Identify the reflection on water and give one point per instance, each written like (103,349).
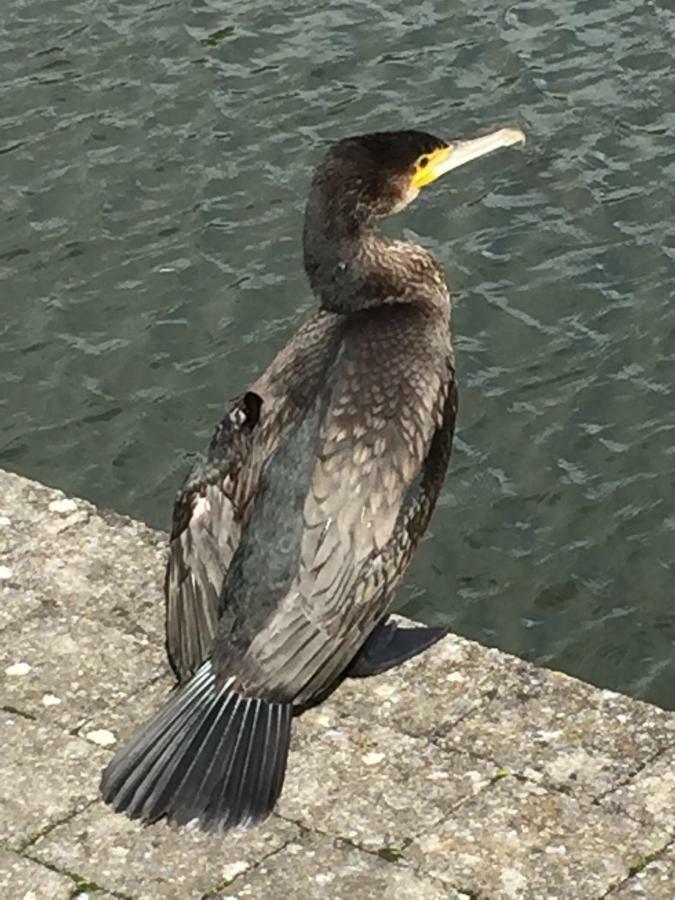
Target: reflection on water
(153,166)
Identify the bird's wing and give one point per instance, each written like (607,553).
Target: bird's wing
(207,517)
(214,501)
(387,645)
(341,488)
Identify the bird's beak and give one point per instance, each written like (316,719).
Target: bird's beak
(456,154)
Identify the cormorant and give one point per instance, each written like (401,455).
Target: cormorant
(288,542)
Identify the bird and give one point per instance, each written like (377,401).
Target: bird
(289,540)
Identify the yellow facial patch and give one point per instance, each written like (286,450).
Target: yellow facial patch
(429,167)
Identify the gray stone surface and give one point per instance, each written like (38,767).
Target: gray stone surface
(63,685)
(397,785)
(333,869)
(66,555)
(46,776)
(654,881)
(23,879)
(520,839)
(157,861)
(512,716)
(466,773)
(650,795)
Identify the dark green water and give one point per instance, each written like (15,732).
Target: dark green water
(153,165)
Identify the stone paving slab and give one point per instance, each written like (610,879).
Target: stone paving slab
(654,881)
(65,654)
(157,861)
(97,564)
(398,785)
(522,840)
(23,879)
(46,776)
(465,774)
(650,795)
(513,716)
(334,869)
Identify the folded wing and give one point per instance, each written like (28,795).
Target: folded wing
(207,517)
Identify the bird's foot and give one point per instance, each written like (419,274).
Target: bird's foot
(389,645)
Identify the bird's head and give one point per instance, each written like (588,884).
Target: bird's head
(374,175)
(360,180)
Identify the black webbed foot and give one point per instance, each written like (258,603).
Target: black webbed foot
(389,645)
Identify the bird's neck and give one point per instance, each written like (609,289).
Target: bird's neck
(359,269)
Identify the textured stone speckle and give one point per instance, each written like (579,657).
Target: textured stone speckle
(23,879)
(18,668)
(317,868)
(46,776)
(101,736)
(520,840)
(156,861)
(66,652)
(650,795)
(51,700)
(64,505)
(397,784)
(654,881)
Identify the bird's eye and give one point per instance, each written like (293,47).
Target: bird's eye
(423,160)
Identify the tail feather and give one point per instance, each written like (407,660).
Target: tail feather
(129,777)
(225,727)
(241,770)
(210,754)
(278,769)
(164,784)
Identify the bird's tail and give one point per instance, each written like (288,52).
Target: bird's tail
(209,754)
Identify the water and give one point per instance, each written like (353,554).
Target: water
(153,167)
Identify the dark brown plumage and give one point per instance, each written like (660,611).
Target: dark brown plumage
(288,543)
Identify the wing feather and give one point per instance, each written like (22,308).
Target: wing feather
(206,528)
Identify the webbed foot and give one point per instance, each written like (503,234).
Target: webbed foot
(389,645)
